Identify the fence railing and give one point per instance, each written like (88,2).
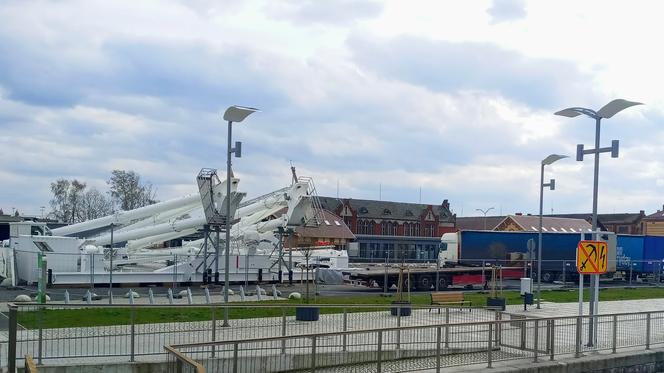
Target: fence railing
(418,347)
(53,332)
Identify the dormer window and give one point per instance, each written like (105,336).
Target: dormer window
(408,213)
(387,212)
(363,210)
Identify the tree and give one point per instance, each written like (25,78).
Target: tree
(67,200)
(95,205)
(128,191)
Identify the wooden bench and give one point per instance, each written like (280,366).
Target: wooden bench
(443,298)
(30,366)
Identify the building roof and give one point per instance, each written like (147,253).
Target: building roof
(659,215)
(620,218)
(332,226)
(476,223)
(373,209)
(530,223)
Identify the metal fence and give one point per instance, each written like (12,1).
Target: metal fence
(132,334)
(417,347)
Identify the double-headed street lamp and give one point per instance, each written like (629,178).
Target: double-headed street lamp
(608,111)
(233,114)
(484,212)
(552,186)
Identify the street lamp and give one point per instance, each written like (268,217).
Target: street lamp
(484,212)
(233,114)
(552,186)
(608,111)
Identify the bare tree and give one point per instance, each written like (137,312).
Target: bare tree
(95,204)
(128,191)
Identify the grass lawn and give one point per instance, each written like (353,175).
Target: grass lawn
(63,318)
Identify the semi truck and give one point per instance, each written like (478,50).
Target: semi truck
(466,258)
(478,248)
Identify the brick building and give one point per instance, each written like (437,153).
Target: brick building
(390,230)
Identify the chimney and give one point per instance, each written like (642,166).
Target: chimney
(642,212)
(518,214)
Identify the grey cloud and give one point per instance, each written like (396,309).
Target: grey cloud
(450,67)
(507,10)
(340,13)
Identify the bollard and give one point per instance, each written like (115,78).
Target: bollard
(207,296)
(88,297)
(131,297)
(274,292)
(258,293)
(66,297)
(170,296)
(150,296)
(242,293)
(189,298)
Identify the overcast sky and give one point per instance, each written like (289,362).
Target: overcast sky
(453,97)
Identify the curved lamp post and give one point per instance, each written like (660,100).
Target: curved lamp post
(607,111)
(233,114)
(552,186)
(484,212)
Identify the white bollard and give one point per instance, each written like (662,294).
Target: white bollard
(189,298)
(88,297)
(207,296)
(131,297)
(274,292)
(151,296)
(258,293)
(241,293)
(170,296)
(66,297)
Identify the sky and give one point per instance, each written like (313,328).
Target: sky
(400,100)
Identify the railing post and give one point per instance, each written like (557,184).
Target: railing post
(553,340)
(313,353)
(614,344)
(498,317)
(40,337)
(438,338)
(132,317)
(345,326)
(489,350)
(235,348)
(283,330)
(214,330)
(536,340)
(447,328)
(11,349)
(380,352)
(398,329)
(579,329)
(548,337)
(648,331)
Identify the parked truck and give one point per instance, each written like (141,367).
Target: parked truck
(477,248)
(639,256)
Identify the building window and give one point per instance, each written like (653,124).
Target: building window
(623,229)
(388,228)
(429,230)
(365,227)
(416,230)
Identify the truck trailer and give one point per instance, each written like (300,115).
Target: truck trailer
(509,249)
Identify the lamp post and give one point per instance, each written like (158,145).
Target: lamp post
(233,114)
(607,111)
(552,186)
(484,212)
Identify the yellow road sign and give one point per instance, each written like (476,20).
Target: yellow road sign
(592,257)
